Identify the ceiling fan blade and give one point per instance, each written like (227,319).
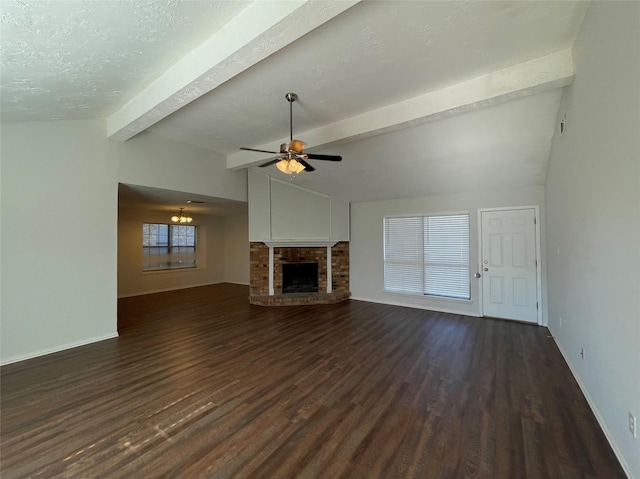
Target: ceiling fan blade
(306,165)
(270,162)
(313,156)
(260,151)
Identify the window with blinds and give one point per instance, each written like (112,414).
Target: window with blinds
(168,246)
(427,255)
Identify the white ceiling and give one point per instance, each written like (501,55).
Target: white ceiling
(419,97)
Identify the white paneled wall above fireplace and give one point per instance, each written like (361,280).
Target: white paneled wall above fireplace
(284,212)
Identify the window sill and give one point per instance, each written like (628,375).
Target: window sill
(171,270)
(430,297)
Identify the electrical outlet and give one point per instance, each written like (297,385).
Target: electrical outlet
(560,321)
(632,425)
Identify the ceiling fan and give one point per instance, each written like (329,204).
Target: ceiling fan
(291,158)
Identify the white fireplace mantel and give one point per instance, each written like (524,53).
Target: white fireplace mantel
(295,243)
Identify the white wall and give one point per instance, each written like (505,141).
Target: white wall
(593,219)
(236,249)
(259,194)
(152,160)
(210,254)
(298,213)
(366,248)
(59,222)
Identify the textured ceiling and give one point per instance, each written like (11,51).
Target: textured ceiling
(428,79)
(499,147)
(374,54)
(85,59)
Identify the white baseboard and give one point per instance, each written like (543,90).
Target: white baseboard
(56,349)
(417,306)
(596,412)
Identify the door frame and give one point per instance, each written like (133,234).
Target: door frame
(536,208)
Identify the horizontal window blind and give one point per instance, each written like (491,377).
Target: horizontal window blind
(403,244)
(168,246)
(427,255)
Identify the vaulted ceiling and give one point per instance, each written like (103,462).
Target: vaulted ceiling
(419,97)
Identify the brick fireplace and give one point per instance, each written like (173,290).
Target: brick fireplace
(266,272)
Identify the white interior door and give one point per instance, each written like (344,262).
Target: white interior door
(509,264)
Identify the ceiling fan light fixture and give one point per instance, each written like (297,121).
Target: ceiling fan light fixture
(290,167)
(291,159)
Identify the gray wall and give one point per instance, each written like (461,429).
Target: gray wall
(366,252)
(152,160)
(236,249)
(59,227)
(593,222)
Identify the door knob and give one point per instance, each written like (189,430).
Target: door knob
(477,275)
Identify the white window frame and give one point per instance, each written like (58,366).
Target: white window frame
(416,257)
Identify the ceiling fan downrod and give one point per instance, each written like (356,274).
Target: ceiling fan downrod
(294,146)
(291,97)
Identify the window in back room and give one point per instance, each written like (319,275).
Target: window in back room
(166,246)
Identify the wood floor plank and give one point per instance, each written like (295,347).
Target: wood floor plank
(201,384)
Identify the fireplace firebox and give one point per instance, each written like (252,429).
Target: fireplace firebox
(299,278)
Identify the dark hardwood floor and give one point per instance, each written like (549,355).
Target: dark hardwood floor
(200,384)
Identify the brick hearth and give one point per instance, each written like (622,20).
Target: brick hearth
(259,274)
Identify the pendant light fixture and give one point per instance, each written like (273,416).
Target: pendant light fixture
(181,217)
